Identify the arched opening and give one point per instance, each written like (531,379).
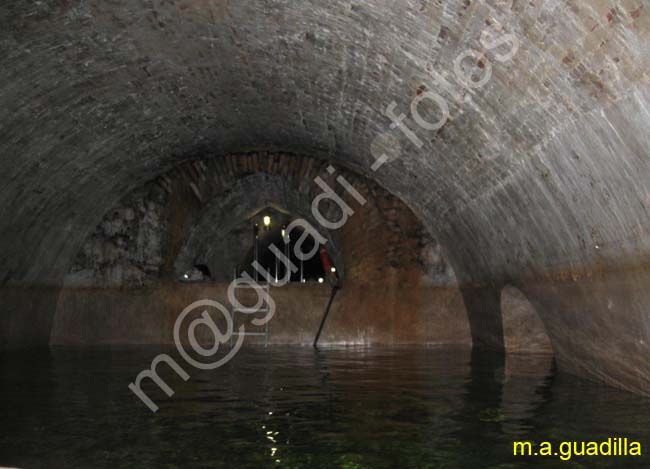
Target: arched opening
(299,270)
(398,286)
(230,234)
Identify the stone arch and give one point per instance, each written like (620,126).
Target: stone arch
(399,287)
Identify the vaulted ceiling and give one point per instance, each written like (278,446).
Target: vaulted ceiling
(542,169)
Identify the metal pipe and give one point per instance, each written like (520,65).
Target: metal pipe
(335,290)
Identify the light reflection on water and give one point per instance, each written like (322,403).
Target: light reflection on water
(296,407)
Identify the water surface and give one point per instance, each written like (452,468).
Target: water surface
(300,408)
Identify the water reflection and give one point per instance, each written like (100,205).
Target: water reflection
(296,407)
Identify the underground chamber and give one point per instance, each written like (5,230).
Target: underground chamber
(389,234)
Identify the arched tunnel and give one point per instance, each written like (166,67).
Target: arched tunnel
(470,178)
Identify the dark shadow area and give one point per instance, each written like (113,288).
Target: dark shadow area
(310,270)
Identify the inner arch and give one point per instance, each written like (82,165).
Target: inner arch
(397,284)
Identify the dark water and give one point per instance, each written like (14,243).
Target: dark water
(297,408)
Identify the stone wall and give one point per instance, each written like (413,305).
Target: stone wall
(126,248)
(398,287)
(109,316)
(26,316)
(601,315)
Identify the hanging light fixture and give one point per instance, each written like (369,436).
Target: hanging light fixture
(267,221)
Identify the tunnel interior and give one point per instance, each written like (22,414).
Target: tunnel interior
(408,214)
